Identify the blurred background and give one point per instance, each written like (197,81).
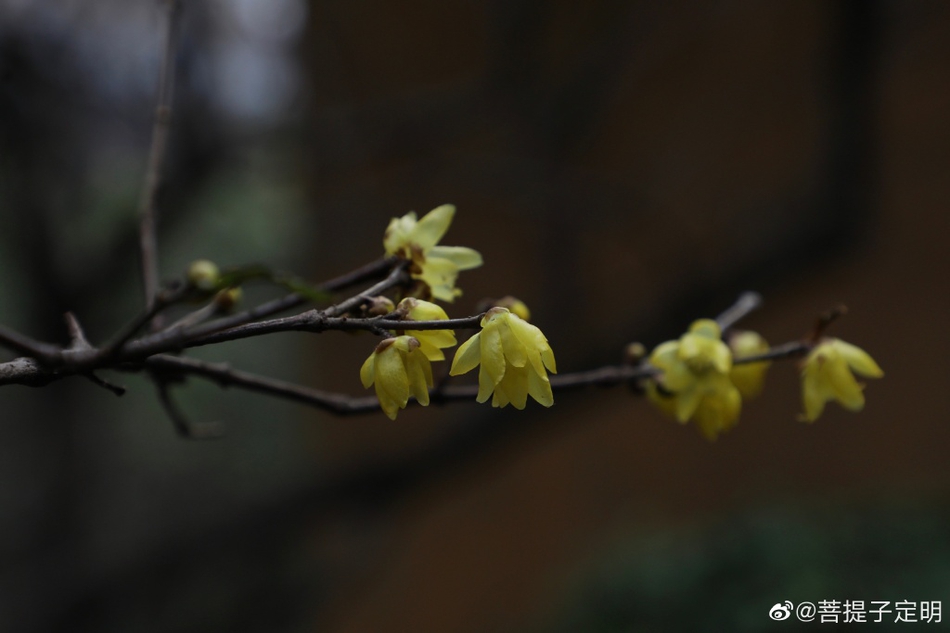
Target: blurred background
(624,167)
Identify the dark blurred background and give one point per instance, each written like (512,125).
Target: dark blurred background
(624,168)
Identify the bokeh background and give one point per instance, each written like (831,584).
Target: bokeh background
(624,167)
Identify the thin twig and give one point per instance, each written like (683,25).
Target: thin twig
(746,303)
(342,404)
(46,353)
(156,157)
(105,384)
(793,349)
(186,428)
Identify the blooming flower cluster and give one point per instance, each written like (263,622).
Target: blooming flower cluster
(700,377)
(514,355)
(695,383)
(701,382)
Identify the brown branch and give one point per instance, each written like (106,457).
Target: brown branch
(792,349)
(156,157)
(746,303)
(342,404)
(370,271)
(45,352)
(186,428)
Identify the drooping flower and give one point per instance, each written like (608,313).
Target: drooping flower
(695,383)
(431,341)
(828,374)
(513,355)
(748,377)
(399,368)
(436,266)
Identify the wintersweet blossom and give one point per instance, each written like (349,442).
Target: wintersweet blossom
(695,383)
(436,266)
(431,342)
(748,377)
(513,355)
(399,368)
(828,374)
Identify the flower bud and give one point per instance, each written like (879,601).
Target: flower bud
(515,306)
(204,275)
(227,299)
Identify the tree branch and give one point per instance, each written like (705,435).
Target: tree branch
(156,157)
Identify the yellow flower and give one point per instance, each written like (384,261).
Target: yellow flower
(437,266)
(748,377)
(399,368)
(513,355)
(827,375)
(431,342)
(695,383)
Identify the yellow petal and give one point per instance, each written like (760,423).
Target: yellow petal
(389,404)
(686,403)
(416,363)
(859,360)
(515,385)
(706,328)
(467,356)
(461,257)
(493,356)
(513,348)
(396,238)
(367,373)
(433,225)
(538,349)
(391,375)
(539,387)
(419,310)
(485,385)
(813,398)
(846,389)
(431,351)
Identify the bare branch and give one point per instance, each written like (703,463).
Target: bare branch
(45,352)
(186,428)
(105,384)
(746,303)
(342,404)
(793,349)
(156,157)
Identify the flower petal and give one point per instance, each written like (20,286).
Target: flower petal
(462,257)
(493,356)
(467,356)
(539,387)
(397,233)
(846,389)
(485,385)
(859,360)
(433,225)
(367,371)
(391,376)
(514,349)
(515,385)
(416,364)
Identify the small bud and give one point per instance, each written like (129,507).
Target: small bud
(227,299)
(633,353)
(515,306)
(203,274)
(379,306)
